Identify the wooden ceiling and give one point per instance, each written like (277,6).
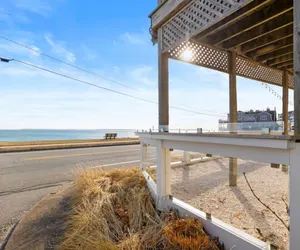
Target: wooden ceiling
(261,30)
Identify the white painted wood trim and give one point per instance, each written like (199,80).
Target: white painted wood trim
(163,169)
(161,14)
(239,140)
(231,237)
(261,150)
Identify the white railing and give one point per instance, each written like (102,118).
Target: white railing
(225,127)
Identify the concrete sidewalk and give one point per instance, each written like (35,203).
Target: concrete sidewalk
(43,226)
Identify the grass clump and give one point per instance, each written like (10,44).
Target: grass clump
(114,210)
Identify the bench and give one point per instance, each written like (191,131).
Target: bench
(110,136)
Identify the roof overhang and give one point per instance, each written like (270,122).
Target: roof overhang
(260,31)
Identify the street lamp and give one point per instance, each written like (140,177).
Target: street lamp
(5,60)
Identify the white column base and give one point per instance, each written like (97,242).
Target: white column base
(143,155)
(186,157)
(163,170)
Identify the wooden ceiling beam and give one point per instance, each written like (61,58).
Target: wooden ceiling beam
(283,64)
(275,54)
(265,40)
(247,23)
(234,17)
(259,31)
(281,59)
(285,42)
(286,65)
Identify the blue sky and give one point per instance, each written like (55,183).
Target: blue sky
(111,39)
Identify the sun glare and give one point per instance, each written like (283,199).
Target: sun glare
(187,55)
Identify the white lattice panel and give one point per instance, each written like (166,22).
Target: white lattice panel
(195,17)
(201,55)
(252,70)
(209,57)
(291,81)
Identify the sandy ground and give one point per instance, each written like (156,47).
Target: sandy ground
(205,186)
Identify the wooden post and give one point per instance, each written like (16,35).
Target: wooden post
(285,102)
(285,109)
(163,86)
(233,114)
(297,68)
(163,170)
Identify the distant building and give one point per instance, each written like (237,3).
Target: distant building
(291,116)
(252,120)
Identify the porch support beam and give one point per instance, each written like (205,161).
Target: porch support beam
(285,102)
(163,86)
(297,69)
(233,114)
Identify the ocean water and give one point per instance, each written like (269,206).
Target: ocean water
(53,134)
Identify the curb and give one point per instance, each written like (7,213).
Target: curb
(18,229)
(8,235)
(67,147)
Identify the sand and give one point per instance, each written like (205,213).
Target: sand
(205,186)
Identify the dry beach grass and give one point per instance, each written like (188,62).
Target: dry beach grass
(114,210)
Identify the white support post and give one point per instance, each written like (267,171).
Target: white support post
(294,197)
(163,170)
(186,157)
(143,155)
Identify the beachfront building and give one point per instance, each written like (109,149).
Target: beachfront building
(256,39)
(252,121)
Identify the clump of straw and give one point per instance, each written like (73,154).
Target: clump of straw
(114,210)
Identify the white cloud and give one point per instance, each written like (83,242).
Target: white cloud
(58,48)
(135,38)
(89,54)
(116,69)
(143,75)
(40,7)
(11,49)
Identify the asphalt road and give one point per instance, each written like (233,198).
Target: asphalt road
(27,177)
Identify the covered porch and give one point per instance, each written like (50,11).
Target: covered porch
(256,39)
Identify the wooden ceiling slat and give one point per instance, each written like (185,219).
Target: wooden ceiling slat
(247,23)
(285,65)
(275,54)
(288,41)
(267,39)
(279,60)
(259,31)
(234,17)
